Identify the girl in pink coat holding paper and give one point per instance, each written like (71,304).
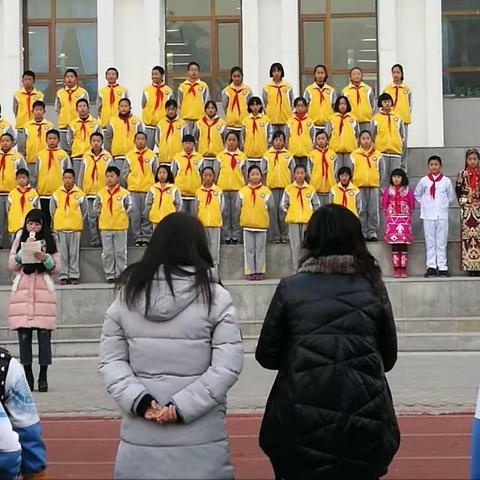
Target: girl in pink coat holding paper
(398,203)
(32,301)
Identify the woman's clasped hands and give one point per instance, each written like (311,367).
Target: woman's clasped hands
(157,413)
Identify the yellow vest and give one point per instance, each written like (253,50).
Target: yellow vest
(25,103)
(170,134)
(210,206)
(94,171)
(360,101)
(366,167)
(109,97)
(278,102)
(401,95)
(154,99)
(4,126)
(254,210)
(163,202)
(123,134)
(8,169)
(36,138)
(256,135)
(68,214)
(194,97)
(113,215)
(387,138)
(279,174)
(237,108)
(21,202)
(50,170)
(188,178)
(67,101)
(300,208)
(320,102)
(343,137)
(230,178)
(299,135)
(210,139)
(141,175)
(323,169)
(347,197)
(81,131)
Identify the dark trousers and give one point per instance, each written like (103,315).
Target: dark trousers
(45,206)
(44,346)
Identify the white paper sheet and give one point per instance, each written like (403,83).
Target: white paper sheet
(28,251)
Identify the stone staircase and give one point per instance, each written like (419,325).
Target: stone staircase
(431,315)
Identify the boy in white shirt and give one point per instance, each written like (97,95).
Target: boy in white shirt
(435,193)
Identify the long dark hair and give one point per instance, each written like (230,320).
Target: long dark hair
(335,230)
(178,241)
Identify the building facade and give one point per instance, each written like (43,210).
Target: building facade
(435,41)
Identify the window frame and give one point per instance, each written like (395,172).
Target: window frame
(214,20)
(51,23)
(326,18)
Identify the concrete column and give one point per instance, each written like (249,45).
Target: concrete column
(387,39)
(154,31)
(251,45)
(105,38)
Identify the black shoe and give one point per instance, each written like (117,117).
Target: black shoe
(42,386)
(29,376)
(110,280)
(444,273)
(234,241)
(228,241)
(372,239)
(139,244)
(431,272)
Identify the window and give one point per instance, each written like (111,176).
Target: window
(207,32)
(461,48)
(340,34)
(61,34)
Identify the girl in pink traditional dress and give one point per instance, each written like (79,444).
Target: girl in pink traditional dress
(398,203)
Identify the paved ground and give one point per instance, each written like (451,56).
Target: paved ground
(420,382)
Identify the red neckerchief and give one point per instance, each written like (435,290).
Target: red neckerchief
(158,95)
(3,163)
(67,198)
(320,90)
(359,99)
(299,119)
(209,191)
(342,121)
(170,126)
(236,98)
(39,128)
(299,194)
(277,154)
(325,166)
(210,125)
(189,164)
(233,160)
(112,93)
(472,174)
(70,92)
(254,192)
(83,127)
(368,156)
(162,191)
(389,115)
(95,159)
(141,160)
(191,88)
(344,191)
(22,198)
(29,102)
(51,157)
(279,94)
(397,88)
(110,197)
(254,125)
(126,120)
(434,181)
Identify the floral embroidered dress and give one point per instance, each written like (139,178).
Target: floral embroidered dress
(398,204)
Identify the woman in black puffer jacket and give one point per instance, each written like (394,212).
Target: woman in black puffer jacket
(331,335)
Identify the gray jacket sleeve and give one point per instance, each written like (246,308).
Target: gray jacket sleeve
(53,205)
(225,100)
(84,206)
(97,205)
(177,200)
(210,389)
(108,137)
(148,203)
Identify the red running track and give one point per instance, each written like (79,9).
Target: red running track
(433,448)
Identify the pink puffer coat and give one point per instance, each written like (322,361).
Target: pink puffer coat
(33,302)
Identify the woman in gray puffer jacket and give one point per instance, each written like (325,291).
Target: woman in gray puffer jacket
(170,351)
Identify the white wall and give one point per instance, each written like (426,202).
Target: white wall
(410,33)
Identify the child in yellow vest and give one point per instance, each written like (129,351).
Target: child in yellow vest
(10,162)
(209,206)
(388,135)
(23,101)
(299,202)
(50,164)
(20,201)
(113,205)
(164,197)
(345,193)
(277,97)
(91,179)
(186,167)
(192,96)
(256,132)
(342,129)
(120,134)
(170,131)
(154,99)
(235,99)
(35,135)
(300,133)
(209,133)
(279,165)
(320,98)
(139,172)
(401,94)
(68,208)
(254,203)
(109,96)
(79,132)
(322,167)
(361,98)
(367,164)
(6,127)
(66,103)
(230,180)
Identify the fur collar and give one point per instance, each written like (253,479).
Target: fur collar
(343,264)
